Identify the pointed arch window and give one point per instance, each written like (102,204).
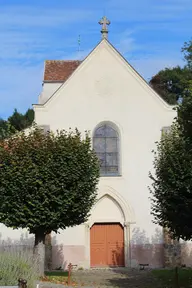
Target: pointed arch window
(106,146)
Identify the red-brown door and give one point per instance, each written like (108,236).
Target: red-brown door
(107,245)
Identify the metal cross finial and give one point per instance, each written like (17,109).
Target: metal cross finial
(104,22)
(79,48)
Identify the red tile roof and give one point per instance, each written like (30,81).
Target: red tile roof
(59,70)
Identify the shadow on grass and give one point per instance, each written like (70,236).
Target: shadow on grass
(167,277)
(134,278)
(56,273)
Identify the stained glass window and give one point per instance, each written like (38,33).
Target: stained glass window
(105,144)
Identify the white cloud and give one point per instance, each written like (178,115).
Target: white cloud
(36,16)
(125,41)
(148,10)
(128,45)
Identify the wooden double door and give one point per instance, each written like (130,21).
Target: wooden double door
(107,245)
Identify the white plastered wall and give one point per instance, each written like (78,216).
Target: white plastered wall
(48,89)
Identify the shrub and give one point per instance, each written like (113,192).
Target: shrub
(17,264)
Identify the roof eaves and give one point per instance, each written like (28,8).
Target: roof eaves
(53,81)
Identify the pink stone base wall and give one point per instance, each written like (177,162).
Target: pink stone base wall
(63,255)
(152,254)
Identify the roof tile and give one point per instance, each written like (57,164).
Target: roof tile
(59,70)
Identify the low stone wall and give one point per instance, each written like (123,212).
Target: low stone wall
(186,254)
(151,254)
(169,254)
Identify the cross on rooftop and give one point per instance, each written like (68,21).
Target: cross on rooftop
(104,22)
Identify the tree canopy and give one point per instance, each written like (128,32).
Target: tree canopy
(172,183)
(21,121)
(6,130)
(187,50)
(172,83)
(16,122)
(47,181)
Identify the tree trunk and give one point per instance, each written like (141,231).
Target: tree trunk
(39,251)
(48,253)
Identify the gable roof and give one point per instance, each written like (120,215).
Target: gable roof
(80,63)
(59,70)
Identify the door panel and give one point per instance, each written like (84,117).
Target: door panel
(107,245)
(115,245)
(98,245)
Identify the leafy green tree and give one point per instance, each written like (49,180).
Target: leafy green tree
(47,182)
(187,50)
(3,129)
(172,183)
(16,122)
(172,83)
(29,117)
(20,121)
(6,130)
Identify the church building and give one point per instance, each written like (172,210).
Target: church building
(105,95)
(125,116)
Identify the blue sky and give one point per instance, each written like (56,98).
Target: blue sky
(149,33)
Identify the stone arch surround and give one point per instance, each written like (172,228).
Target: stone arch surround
(126,217)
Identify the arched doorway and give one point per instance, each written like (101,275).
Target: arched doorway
(107,245)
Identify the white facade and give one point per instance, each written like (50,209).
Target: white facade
(106,89)
(47,91)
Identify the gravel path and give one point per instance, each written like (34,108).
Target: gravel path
(122,278)
(129,278)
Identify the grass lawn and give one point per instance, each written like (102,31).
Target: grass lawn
(56,277)
(167,277)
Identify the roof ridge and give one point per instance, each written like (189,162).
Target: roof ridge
(63,60)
